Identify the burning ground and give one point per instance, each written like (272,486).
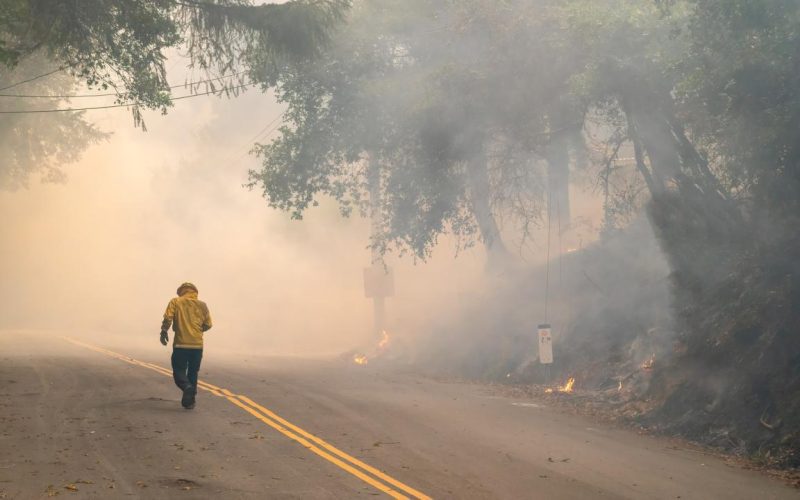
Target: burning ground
(623,351)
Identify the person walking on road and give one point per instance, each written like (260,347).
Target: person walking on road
(189,318)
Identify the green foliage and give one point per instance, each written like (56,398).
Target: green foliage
(704,95)
(707,91)
(121,44)
(413,93)
(12,13)
(40,145)
(740,94)
(109,44)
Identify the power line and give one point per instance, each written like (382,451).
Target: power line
(125,105)
(109,94)
(547,264)
(34,78)
(263,133)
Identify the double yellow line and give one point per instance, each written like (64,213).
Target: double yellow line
(354,466)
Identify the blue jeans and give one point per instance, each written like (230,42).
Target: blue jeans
(185,365)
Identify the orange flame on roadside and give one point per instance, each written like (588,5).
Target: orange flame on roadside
(566,388)
(384,340)
(360,359)
(648,364)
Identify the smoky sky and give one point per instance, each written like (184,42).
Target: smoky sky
(145,211)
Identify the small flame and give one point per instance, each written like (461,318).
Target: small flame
(384,340)
(566,388)
(360,359)
(648,364)
(619,387)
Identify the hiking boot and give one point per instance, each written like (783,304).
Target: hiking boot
(187,401)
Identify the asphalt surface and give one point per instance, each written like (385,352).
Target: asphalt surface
(85,423)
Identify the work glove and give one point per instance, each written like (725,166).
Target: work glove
(164,337)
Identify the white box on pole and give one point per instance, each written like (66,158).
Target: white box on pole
(545,344)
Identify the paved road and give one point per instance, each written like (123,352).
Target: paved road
(84,423)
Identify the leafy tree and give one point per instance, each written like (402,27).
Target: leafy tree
(435,97)
(740,94)
(454,104)
(449,104)
(40,143)
(121,44)
(707,93)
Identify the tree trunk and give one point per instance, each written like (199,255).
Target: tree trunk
(700,229)
(480,201)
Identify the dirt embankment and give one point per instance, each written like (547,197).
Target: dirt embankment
(718,365)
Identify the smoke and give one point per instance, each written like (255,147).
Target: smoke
(144,211)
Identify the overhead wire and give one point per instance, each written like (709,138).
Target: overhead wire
(560,270)
(261,134)
(107,94)
(33,78)
(265,131)
(124,105)
(547,263)
(268,125)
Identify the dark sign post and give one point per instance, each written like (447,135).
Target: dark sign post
(378,277)
(378,285)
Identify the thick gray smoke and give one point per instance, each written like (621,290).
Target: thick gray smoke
(145,211)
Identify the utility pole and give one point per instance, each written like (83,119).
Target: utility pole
(378,278)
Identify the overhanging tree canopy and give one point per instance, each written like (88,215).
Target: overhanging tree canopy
(121,45)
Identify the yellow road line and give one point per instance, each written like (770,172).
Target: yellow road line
(286,428)
(367,479)
(335,450)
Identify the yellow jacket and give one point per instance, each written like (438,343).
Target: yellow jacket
(189,318)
